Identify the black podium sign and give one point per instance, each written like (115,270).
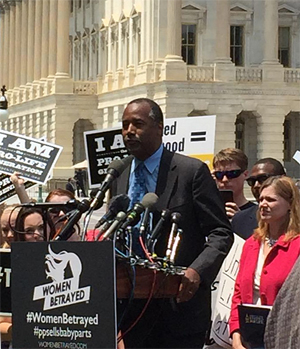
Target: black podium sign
(5,282)
(63,295)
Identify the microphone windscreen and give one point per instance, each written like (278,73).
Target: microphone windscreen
(119,203)
(149,201)
(116,167)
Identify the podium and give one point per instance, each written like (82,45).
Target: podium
(166,284)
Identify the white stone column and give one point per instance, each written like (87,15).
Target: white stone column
(225,123)
(271,32)
(30,44)
(2,20)
(174,68)
(223,31)
(5,80)
(272,70)
(24,40)
(224,68)
(63,39)
(18,31)
(63,83)
(174,29)
(52,37)
(121,52)
(129,75)
(270,136)
(45,38)
(11,61)
(108,81)
(38,39)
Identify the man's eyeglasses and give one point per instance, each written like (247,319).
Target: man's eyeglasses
(260,179)
(229,174)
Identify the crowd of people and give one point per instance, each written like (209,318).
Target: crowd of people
(270,224)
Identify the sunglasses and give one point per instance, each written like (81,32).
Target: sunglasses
(56,210)
(229,174)
(260,179)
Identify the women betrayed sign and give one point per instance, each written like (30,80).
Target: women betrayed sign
(32,158)
(61,297)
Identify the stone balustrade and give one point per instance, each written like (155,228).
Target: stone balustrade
(291,75)
(85,87)
(244,74)
(200,73)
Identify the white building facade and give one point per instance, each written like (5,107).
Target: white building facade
(72,66)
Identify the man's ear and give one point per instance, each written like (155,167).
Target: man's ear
(161,128)
(246,173)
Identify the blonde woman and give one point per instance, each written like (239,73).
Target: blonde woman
(269,255)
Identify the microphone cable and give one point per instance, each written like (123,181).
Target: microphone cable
(144,309)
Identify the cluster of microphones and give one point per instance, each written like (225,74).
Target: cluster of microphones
(119,221)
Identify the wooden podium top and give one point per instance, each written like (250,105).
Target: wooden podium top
(166,285)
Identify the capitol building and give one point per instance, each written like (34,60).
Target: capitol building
(72,66)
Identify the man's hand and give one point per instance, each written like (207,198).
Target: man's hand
(231,209)
(189,285)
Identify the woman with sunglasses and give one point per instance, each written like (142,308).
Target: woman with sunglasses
(269,255)
(58,215)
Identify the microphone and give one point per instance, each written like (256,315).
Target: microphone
(117,203)
(149,202)
(175,245)
(114,170)
(165,216)
(73,203)
(175,217)
(115,225)
(67,229)
(134,215)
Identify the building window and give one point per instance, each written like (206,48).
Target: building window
(284,46)
(237,45)
(240,133)
(188,43)
(71,5)
(287,140)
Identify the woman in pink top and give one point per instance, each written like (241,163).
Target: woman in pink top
(269,255)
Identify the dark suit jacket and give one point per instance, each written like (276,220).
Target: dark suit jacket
(185,185)
(244,222)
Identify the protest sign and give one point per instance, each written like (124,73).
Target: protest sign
(68,299)
(5,281)
(228,273)
(102,147)
(32,158)
(7,189)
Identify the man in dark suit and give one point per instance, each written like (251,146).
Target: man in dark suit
(183,185)
(244,222)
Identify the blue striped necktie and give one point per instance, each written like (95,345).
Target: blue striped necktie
(139,188)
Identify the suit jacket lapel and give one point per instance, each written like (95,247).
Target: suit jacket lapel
(167,177)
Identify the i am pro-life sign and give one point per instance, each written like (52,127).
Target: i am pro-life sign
(34,159)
